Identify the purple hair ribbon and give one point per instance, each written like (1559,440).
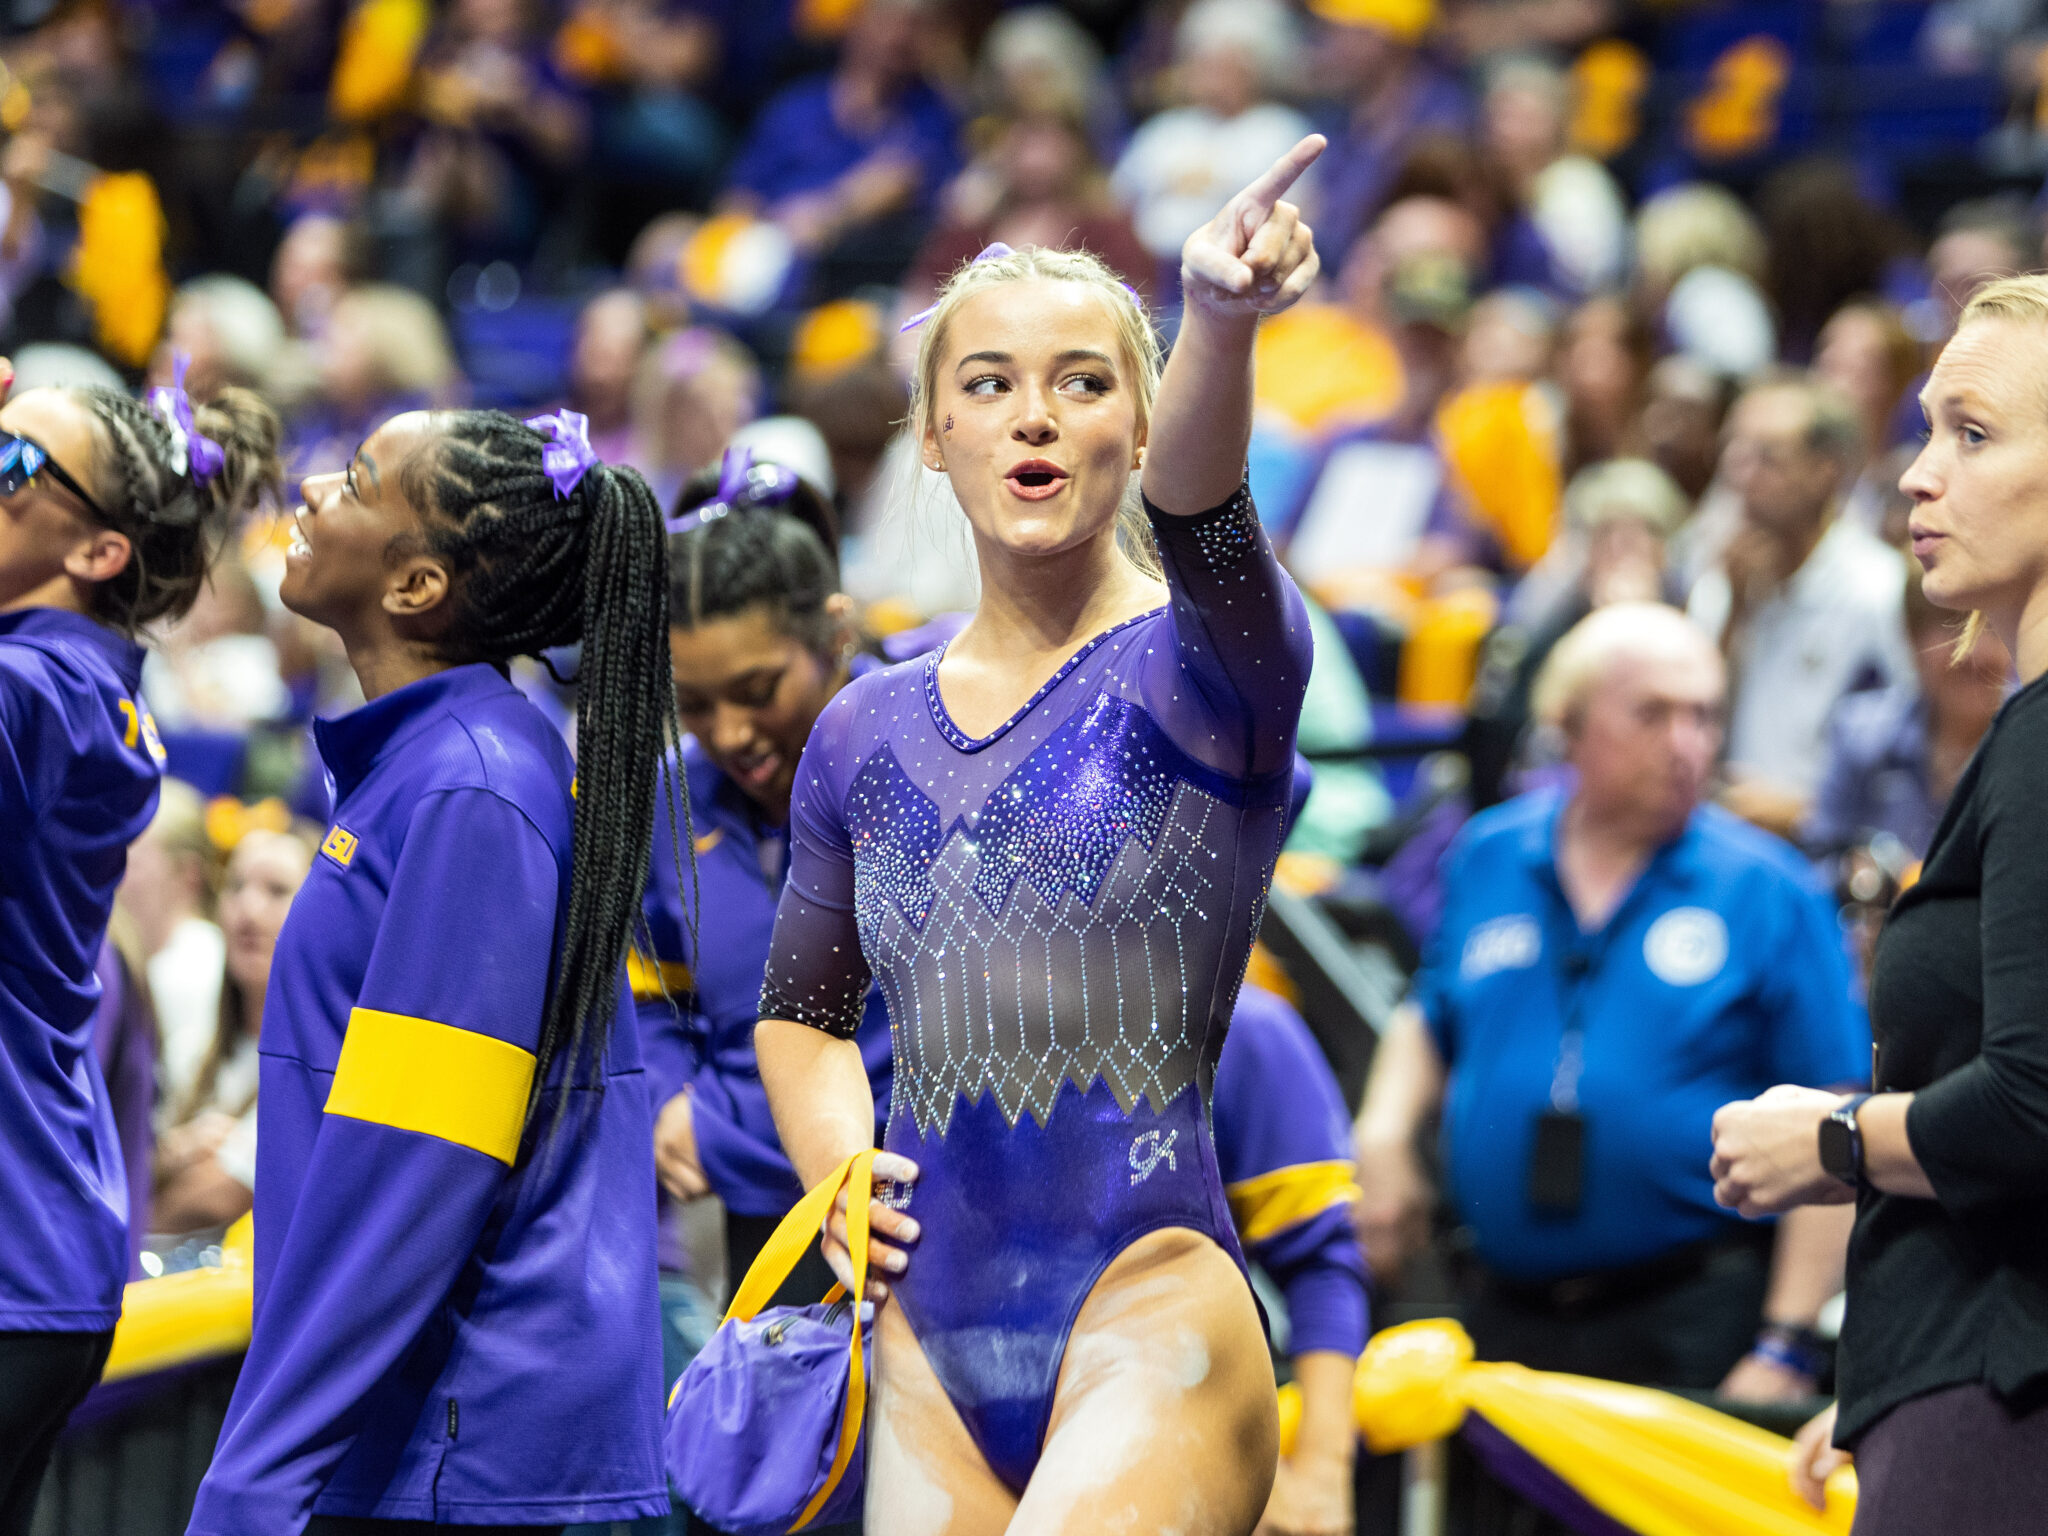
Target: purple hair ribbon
(199,456)
(569,457)
(994,253)
(741,484)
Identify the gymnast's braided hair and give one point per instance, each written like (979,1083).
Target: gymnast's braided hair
(531,571)
(174,520)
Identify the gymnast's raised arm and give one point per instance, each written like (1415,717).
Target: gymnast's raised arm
(1230,689)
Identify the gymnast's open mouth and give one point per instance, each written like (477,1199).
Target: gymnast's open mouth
(1035,479)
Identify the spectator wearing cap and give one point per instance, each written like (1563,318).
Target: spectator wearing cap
(1613,957)
(1387,350)
(1388,94)
(1806,606)
(1229,58)
(1378,494)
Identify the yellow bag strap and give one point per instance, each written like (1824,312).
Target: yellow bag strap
(860,1185)
(781,1254)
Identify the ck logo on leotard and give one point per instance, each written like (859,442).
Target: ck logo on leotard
(340,845)
(1149,1150)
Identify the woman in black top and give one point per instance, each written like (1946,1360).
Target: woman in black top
(1944,1362)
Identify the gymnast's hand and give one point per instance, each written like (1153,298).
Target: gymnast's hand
(890,1232)
(1256,257)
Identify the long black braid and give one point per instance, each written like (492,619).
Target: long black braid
(534,571)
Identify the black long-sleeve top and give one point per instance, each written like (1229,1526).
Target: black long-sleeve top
(1955,1289)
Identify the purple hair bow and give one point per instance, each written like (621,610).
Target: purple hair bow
(994,252)
(741,483)
(569,457)
(201,457)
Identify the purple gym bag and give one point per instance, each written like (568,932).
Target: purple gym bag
(765,1425)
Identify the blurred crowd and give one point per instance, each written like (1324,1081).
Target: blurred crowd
(1620,303)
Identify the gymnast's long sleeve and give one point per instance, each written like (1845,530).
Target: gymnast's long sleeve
(1242,646)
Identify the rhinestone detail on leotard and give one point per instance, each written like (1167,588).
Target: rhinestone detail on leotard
(1045,941)
(1223,535)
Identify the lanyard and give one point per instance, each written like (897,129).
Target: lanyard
(1577,969)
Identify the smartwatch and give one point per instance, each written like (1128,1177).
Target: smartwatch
(1841,1141)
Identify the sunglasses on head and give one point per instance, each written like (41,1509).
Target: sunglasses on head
(23,458)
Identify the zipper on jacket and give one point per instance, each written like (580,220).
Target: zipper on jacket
(452,1419)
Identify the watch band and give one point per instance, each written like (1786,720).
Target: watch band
(1841,1141)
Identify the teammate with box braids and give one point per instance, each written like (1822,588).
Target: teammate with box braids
(456,1316)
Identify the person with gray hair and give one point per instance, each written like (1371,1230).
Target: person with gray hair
(1807,606)
(1611,953)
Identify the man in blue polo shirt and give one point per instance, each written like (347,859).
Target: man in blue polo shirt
(1616,958)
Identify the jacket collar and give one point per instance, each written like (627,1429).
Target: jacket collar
(52,624)
(354,743)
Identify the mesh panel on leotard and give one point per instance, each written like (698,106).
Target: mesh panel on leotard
(1070,898)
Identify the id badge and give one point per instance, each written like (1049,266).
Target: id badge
(1557,1170)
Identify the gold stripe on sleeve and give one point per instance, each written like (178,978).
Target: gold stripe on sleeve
(648,977)
(416,1075)
(1286,1197)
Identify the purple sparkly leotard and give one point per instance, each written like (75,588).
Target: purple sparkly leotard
(1059,915)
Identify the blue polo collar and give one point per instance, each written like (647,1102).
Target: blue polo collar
(1675,861)
(354,743)
(123,654)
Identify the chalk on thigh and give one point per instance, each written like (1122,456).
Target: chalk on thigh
(1164,1422)
(925,1474)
